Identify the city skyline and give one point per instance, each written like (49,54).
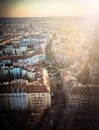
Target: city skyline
(49,65)
(48,8)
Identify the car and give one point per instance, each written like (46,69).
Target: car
(59,91)
(33,114)
(51,123)
(52,94)
(61,104)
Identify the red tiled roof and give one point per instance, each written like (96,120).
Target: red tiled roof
(15,45)
(29,67)
(16,57)
(30,88)
(37,89)
(4,40)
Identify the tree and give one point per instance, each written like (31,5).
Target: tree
(53,85)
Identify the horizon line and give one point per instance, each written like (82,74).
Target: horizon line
(41,16)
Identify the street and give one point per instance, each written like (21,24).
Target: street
(58,117)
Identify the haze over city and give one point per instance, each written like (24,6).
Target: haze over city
(48,8)
(49,64)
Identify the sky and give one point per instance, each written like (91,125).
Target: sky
(48,8)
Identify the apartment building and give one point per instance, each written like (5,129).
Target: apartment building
(23,95)
(84,98)
(80,97)
(94,73)
(31,57)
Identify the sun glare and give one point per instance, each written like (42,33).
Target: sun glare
(52,8)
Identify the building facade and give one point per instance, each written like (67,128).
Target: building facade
(24,95)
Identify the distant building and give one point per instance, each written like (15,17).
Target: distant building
(10,71)
(5,40)
(70,73)
(94,73)
(30,57)
(80,97)
(84,98)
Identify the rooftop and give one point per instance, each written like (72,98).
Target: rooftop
(23,87)
(16,57)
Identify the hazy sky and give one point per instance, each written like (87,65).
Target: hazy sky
(47,8)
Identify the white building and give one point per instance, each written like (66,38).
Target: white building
(24,95)
(31,58)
